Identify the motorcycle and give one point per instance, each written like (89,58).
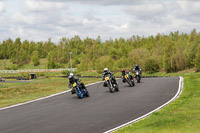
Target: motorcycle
(129,80)
(137,76)
(80,92)
(112,85)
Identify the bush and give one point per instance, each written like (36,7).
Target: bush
(66,72)
(138,56)
(197,60)
(151,66)
(12,67)
(35,58)
(41,74)
(25,75)
(103,62)
(59,65)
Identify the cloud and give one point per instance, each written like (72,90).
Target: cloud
(189,9)
(41,19)
(147,11)
(38,5)
(21,19)
(120,28)
(2,7)
(102,2)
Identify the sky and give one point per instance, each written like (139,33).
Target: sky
(39,20)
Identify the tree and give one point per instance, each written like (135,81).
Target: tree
(15,50)
(35,58)
(138,56)
(151,66)
(197,59)
(104,61)
(51,63)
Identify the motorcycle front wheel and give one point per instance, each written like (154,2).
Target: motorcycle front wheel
(80,95)
(110,86)
(133,84)
(116,87)
(129,82)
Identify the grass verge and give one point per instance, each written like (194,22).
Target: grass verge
(181,116)
(13,93)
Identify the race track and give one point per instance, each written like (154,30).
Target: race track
(100,112)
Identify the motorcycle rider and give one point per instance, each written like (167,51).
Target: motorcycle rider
(137,67)
(124,72)
(73,80)
(109,74)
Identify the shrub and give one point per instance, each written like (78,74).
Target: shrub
(151,66)
(11,67)
(197,59)
(41,74)
(66,72)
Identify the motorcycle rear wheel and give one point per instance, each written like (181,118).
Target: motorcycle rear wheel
(87,94)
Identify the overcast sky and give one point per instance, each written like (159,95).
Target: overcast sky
(39,20)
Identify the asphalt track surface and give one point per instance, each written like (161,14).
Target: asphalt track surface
(100,112)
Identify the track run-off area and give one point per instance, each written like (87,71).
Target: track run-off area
(101,112)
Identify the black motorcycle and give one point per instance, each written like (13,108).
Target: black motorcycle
(137,76)
(112,84)
(129,80)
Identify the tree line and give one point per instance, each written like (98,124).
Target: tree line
(170,53)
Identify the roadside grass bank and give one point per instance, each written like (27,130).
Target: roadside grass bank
(180,116)
(14,93)
(6,64)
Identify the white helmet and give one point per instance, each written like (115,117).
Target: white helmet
(105,69)
(71,74)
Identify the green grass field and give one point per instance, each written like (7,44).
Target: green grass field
(13,93)
(180,116)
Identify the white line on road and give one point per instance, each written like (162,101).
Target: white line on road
(146,115)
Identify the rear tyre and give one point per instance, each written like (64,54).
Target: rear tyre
(87,94)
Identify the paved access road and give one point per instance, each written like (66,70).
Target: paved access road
(100,112)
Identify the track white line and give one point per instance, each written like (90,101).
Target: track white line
(146,115)
(16,105)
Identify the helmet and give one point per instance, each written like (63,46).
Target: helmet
(71,75)
(137,65)
(123,70)
(105,69)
